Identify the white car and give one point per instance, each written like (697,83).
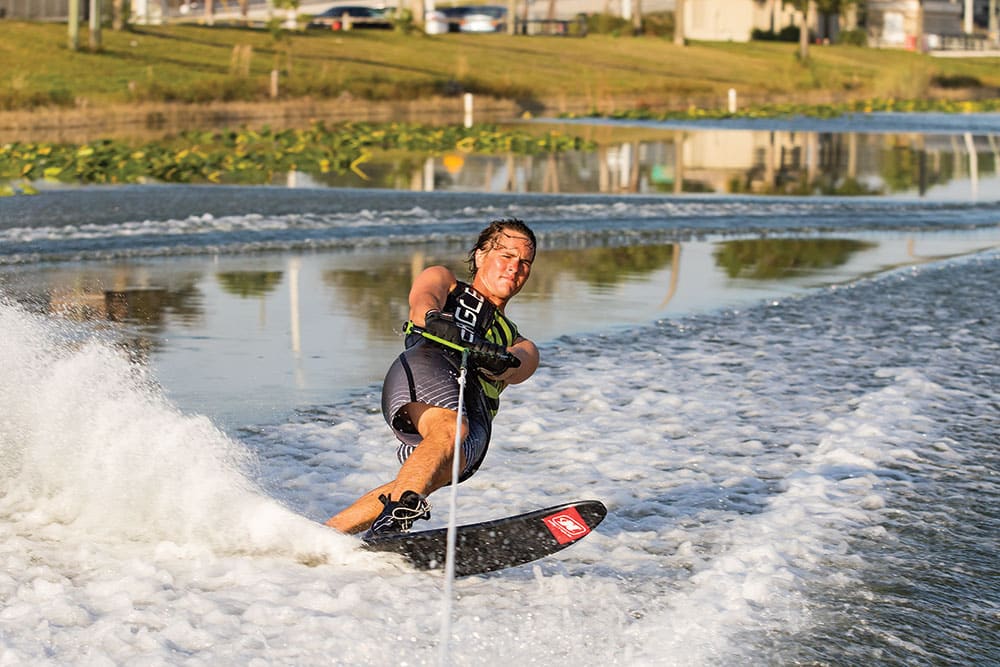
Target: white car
(484,18)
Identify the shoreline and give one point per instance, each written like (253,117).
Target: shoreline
(151,120)
(155,120)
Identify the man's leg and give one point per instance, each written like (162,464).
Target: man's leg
(360,515)
(426,470)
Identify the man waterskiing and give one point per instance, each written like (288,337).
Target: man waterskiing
(421,389)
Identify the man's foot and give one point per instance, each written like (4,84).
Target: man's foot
(398,515)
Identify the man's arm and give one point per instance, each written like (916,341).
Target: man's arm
(527,352)
(430,291)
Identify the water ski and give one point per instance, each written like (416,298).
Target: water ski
(494,545)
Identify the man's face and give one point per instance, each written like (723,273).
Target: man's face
(504,267)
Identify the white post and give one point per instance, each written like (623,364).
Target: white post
(732,100)
(468,109)
(429,175)
(967,23)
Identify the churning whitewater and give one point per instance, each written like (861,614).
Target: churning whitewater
(810,478)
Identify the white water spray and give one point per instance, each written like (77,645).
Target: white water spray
(91,450)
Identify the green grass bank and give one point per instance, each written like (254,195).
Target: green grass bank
(180,71)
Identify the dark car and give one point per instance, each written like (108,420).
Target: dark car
(348,17)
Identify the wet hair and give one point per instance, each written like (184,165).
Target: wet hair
(489,238)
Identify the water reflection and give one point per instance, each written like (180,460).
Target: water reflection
(247,284)
(121,294)
(376,294)
(605,268)
(774,259)
(147,303)
(721,161)
(372,290)
(240,338)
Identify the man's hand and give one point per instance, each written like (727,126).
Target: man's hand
(443,326)
(487,356)
(492,358)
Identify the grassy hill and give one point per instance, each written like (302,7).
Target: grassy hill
(182,65)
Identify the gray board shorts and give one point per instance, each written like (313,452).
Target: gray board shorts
(427,373)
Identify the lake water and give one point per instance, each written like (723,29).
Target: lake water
(789,402)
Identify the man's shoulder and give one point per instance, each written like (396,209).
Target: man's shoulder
(438,275)
(438,270)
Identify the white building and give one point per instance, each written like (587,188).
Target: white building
(735,20)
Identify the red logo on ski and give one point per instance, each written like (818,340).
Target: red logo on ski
(566,526)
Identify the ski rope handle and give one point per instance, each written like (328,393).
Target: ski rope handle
(410,327)
(449,569)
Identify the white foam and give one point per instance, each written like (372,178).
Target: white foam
(91,448)
(736,484)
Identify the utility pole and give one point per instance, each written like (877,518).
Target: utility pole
(804,31)
(117,15)
(992,24)
(679,38)
(73,25)
(95,24)
(920,28)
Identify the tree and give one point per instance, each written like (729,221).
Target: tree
(802,6)
(418,10)
(73,25)
(119,14)
(280,35)
(805,9)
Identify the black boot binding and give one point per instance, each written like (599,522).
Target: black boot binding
(398,515)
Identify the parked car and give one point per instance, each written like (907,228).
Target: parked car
(444,19)
(357,16)
(484,18)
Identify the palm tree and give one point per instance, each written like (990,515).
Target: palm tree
(118,14)
(803,7)
(806,9)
